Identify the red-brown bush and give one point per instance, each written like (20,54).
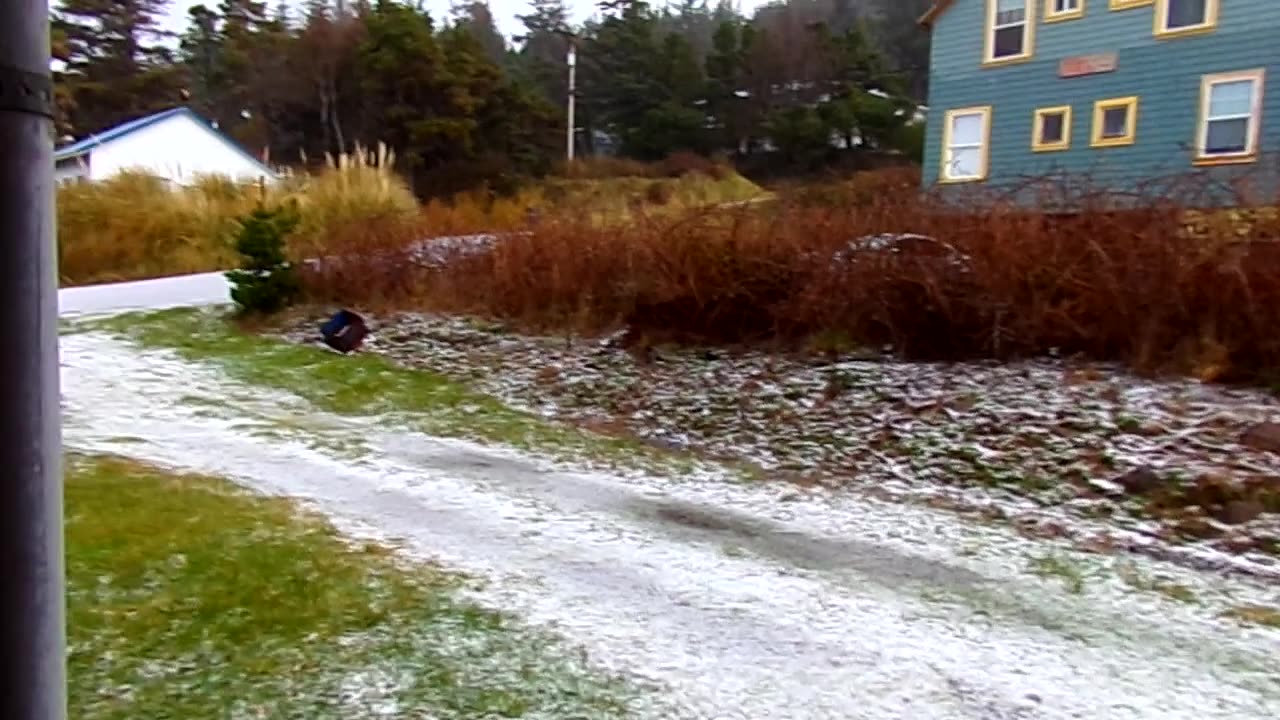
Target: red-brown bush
(1124,285)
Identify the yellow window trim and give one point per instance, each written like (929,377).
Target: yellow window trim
(985,112)
(1037,129)
(1159,25)
(1131,122)
(1050,16)
(1028,37)
(1250,154)
(1129,4)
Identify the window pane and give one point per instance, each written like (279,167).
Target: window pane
(966,130)
(1231,98)
(1008,41)
(1115,122)
(1051,128)
(1186,13)
(1227,136)
(965,162)
(1065,5)
(1010,11)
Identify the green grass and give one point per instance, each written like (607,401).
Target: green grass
(1135,578)
(1058,566)
(369,385)
(191,598)
(1256,615)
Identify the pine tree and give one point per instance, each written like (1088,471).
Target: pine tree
(116,68)
(201,49)
(544,48)
(233,57)
(476,17)
(266,282)
(620,70)
(547,16)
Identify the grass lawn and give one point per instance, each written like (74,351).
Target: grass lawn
(192,598)
(369,385)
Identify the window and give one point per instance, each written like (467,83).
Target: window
(1010,31)
(1115,122)
(1230,117)
(966,138)
(1057,10)
(1051,129)
(1176,18)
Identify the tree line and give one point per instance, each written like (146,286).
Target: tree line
(462,105)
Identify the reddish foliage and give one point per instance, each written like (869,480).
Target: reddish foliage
(1126,285)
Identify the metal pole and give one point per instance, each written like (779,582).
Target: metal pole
(32,591)
(573,89)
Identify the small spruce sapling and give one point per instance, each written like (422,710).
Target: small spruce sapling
(266,282)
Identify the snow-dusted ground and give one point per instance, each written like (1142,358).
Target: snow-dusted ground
(730,600)
(1041,443)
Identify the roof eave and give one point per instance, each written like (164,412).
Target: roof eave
(934,12)
(59,156)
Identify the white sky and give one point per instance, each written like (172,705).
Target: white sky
(504,11)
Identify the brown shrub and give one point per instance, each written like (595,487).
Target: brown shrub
(857,190)
(602,167)
(367,264)
(659,192)
(680,164)
(1128,285)
(675,165)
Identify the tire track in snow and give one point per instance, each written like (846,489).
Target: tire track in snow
(772,610)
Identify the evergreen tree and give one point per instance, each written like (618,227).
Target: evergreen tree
(620,68)
(904,43)
(116,68)
(460,108)
(266,282)
(201,49)
(727,83)
(476,17)
(545,47)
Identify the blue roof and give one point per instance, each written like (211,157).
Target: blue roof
(85,145)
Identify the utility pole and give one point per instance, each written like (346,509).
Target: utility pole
(32,585)
(573,89)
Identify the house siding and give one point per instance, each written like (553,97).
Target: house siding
(72,169)
(179,148)
(1164,74)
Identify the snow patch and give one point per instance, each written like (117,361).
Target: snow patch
(733,602)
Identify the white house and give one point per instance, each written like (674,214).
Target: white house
(176,144)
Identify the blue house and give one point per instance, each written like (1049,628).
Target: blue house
(1128,93)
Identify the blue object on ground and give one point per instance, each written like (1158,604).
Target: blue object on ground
(344,332)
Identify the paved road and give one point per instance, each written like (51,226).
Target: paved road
(180,291)
(730,601)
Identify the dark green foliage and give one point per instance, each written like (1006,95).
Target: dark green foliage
(266,282)
(910,140)
(117,67)
(800,135)
(463,108)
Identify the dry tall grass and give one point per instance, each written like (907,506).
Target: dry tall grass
(597,198)
(136,225)
(358,187)
(1127,285)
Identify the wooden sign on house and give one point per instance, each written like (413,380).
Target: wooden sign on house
(1087,65)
